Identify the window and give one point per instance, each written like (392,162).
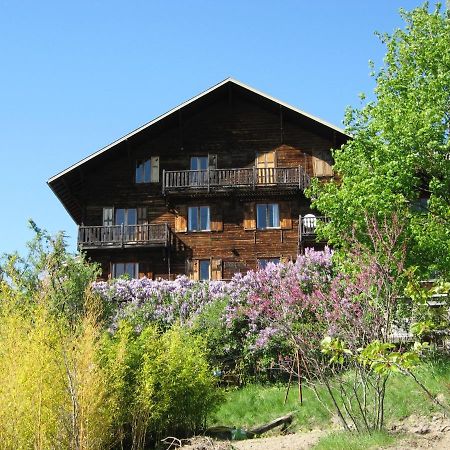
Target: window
(262,263)
(267,216)
(204,269)
(147,170)
(198,218)
(125,216)
(129,269)
(199,162)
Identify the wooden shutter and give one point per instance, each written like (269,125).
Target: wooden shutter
(108,214)
(181,219)
(195,270)
(154,164)
(249,216)
(212,161)
(285,216)
(142,215)
(216,269)
(144,271)
(322,164)
(216,218)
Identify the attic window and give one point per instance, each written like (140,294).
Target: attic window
(147,170)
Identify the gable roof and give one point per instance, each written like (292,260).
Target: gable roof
(186,103)
(67,183)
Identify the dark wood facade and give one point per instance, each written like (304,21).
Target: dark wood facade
(258,151)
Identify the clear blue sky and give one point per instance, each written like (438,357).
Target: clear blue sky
(75,76)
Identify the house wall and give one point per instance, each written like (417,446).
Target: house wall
(233,128)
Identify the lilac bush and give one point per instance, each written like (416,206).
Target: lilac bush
(295,302)
(161,301)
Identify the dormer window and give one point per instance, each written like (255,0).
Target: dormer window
(147,170)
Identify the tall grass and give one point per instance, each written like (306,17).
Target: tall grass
(352,441)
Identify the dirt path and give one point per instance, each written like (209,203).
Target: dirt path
(296,441)
(418,433)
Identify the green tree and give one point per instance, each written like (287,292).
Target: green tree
(398,161)
(49,270)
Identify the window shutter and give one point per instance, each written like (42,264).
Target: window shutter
(212,161)
(142,215)
(322,164)
(249,216)
(181,220)
(285,216)
(216,269)
(154,177)
(144,271)
(108,214)
(195,270)
(216,218)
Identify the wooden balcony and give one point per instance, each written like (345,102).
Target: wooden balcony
(220,180)
(307,225)
(120,236)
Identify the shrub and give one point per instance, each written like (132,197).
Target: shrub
(163,382)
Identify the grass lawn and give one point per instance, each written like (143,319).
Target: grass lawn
(257,404)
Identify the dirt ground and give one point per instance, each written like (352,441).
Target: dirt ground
(417,433)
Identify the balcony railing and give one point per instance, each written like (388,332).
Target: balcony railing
(307,226)
(225,179)
(117,236)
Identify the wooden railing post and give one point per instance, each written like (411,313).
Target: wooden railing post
(163,180)
(254,177)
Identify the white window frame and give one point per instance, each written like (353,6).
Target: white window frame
(114,269)
(198,216)
(266,207)
(200,262)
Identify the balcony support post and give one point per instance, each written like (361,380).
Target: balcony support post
(163,180)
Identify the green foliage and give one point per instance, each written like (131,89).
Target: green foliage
(429,308)
(53,392)
(400,148)
(256,404)
(163,382)
(49,270)
(360,441)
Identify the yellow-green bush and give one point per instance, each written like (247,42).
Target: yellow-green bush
(163,381)
(53,392)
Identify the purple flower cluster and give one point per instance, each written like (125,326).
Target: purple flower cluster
(279,301)
(161,301)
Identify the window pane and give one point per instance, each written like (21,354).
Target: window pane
(261,216)
(194,163)
(192,218)
(274,216)
(204,269)
(262,263)
(120,216)
(203,162)
(204,218)
(147,171)
(130,269)
(131,216)
(118,270)
(143,171)
(138,172)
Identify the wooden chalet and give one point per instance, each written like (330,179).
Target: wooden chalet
(213,187)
